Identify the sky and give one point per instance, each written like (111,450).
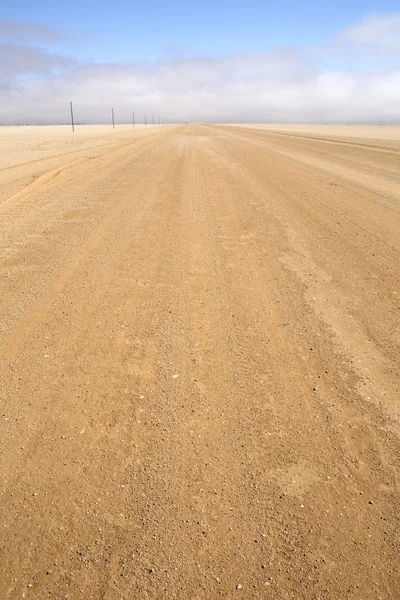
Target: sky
(221,61)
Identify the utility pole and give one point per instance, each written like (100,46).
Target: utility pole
(112,114)
(72,117)
(133,119)
(145,119)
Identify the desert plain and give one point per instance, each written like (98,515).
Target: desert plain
(199,367)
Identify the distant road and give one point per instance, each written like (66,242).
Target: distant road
(199,366)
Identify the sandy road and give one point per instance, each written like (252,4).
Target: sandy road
(198,370)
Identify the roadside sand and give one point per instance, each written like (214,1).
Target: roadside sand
(26,144)
(367,132)
(27,153)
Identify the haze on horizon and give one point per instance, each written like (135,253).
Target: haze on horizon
(230,62)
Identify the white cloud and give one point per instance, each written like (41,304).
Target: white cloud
(25,31)
(280,86)
(376,32)
(21,60)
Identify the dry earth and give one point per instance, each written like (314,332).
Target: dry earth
(198,370)
(363,132)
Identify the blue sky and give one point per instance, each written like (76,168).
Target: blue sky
(226,61)
(132,31)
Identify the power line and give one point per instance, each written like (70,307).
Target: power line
(32,99)
(164,121)
(51,101)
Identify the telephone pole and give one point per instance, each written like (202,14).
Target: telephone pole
(133,119)
(72,117)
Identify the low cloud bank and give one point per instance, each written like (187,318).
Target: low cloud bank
(354,78)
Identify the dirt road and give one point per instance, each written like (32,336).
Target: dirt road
(198,369)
